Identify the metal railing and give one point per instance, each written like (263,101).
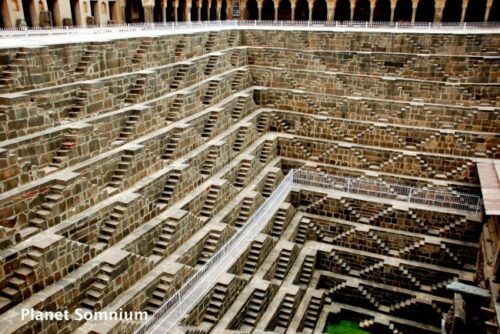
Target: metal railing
(198,285)
(233,24)
(375,188)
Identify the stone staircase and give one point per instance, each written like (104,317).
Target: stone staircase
(282,264)
(128,129)
(242,174)
(301,236)
(13,70)
(313,312)
(137,89)
(210,161)
(212,61)
(172,146)
(45,211)
(214,310)
(238,80)
(169,187)
(266,151)
(210,43)
(142,51)
(235,57)
(110,225)
(179,49)
(95,294)
(240,139)
(210,201)
(279,222)
(121,170)
(299,146)
(175,111)
(282,125)
(263,122)
(179,76)
(244,212)
(79,104)
(254,308)
(209,247)
(167,232)
(252,260)
(231,39)
(369,298)
(62,154)
(87,59)
(403,304)
(160,295)
(269,184)
(285,313)
(307,269)
(409,276)
(210,124)
(239,108)
(18,286)
(210,91)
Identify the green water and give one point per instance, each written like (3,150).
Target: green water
(345,327)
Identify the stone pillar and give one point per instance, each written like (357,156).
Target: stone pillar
(187,13)
(489,3)
(310,13)
(208,11)
(164,13)
(330,8)
(199,11)
(176,8)
(372,9)
(217,12)
(438,13)
(259,6)
(393,9)
(293,12)
(353,5)
(276,6)
(464,9)
(243,12)
(413,13)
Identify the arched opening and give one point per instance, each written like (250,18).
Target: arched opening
(452,11)
(494,12)
(252,11)
(204,10)
(181,11)
(213,10)
(302,11)
(475,11)
(425,11)
(403,11)
(223,10)
(268,10)
(382,11)
(285,10)
(319,10)
(27,10)
(157,16)
(194,11)
(170,11)
(3,14)
(362,10)
(342,11)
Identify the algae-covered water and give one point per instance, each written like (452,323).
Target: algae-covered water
(345,327)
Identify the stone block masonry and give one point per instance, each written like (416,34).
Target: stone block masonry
(125,165)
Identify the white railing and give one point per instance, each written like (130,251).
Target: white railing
(374,188)
(198,285)
(228,24)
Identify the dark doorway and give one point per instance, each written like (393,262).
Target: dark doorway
(425,11)
(382,11)
(223,10)
(252,11)
(170,11)
(362,10)
(194,11)
(403,11)
(27,4)
(302,11)
(157,17)
(204,8)
(133,11)
(319,10)
(342,11)
(268,10)
(475,11)
(213,10)
(452,11)
(181,11)
(285,10)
